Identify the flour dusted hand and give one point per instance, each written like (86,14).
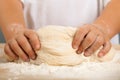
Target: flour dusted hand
(56,48)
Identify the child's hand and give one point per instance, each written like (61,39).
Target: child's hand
(89,38)
(23,45)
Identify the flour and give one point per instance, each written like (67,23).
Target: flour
(85,71)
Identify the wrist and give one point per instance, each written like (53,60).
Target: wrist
(16,28)
(103,30)
(12,30)
(106,28)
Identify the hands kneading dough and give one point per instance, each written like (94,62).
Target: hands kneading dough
(56,48)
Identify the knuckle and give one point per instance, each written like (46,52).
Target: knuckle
(13,43)
(21,40)
(29,32)
(100,41)
(18,37)
(81,29)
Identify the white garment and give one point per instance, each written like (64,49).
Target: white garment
(62,12)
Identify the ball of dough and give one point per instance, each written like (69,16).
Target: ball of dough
(56,47)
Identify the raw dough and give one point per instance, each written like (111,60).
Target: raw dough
(56,48)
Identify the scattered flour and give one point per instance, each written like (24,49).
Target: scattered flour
(84,71)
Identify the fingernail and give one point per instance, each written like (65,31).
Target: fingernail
(79,52)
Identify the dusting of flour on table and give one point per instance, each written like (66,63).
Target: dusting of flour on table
(85,71)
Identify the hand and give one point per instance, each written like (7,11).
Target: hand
(23,45)
(90,38)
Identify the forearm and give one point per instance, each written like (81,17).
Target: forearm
(11,13)
(110,18)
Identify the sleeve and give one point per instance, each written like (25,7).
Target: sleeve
(106,2)
(22,1)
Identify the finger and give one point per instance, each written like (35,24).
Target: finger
(79,36)
(80,50)
(10,53)
(33,38)
(89,40)
(24,44)
(16,48)
(94,47)
(105,49)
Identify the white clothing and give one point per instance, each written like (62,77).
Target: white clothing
(75,13)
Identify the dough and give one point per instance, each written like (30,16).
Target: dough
(56,48)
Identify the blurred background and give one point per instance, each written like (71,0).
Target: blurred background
(2,40)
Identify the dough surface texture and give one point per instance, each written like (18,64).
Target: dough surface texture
(56,47)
